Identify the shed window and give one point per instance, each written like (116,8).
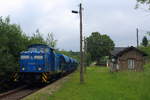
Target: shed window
(131,63)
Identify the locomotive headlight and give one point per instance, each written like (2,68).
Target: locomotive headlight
(23,68)
(39,68)
(24,57)
(38,57)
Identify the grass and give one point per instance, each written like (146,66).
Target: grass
(100,84)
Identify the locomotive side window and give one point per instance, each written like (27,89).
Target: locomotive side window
(39,49)
(33,49)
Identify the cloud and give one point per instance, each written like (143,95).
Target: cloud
(117,18)
(9,7)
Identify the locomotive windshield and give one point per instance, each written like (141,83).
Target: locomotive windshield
(38,49)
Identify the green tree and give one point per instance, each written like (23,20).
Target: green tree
(12,42)
(144,1)
(50,40)
(147,2)
(144,41)
(99,45)
(37,38)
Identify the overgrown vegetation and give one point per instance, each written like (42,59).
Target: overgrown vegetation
(100,84)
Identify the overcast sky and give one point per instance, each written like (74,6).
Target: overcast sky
(116,18)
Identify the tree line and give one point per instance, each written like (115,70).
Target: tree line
(13,40)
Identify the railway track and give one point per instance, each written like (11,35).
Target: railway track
(19,93)
(23,91)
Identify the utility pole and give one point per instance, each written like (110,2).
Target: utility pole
(81,44)
(81,41)
(137,35)
(85,57)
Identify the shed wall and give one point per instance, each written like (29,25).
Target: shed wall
(133,54)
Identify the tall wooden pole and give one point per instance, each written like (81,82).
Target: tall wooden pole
(137,35)
(84,56)
(81,51)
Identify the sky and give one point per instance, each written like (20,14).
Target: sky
(116,18)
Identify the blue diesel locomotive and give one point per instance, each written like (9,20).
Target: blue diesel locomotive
(41,64)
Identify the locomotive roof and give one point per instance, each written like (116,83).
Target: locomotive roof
(42,45)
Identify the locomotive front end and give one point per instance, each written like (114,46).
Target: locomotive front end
(34,63)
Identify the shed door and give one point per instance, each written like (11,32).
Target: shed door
(131,63)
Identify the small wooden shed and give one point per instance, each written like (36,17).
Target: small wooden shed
(127,58)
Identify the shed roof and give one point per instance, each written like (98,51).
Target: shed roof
(118,51)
